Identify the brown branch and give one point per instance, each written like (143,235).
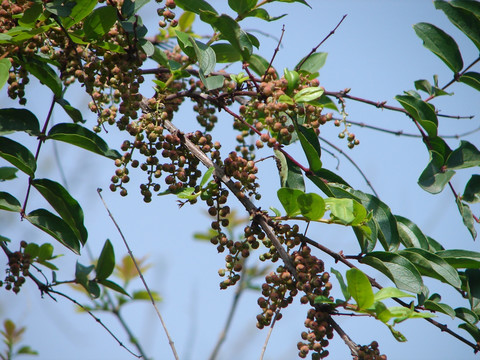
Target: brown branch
(275,52)
(349,342)
(321,42)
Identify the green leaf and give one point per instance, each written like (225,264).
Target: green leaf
(81,10)
(314,62)
(185,21)
(290,174)
(292,78)
(311,205)
(471,193)
(397,268)
(31,15)
(45,252)
(432,265)
(258,64)
(226,53)
(263,14)
(421,111)
(435,177)
(230,31)
(213,82)
(55,227)
(82,272)
(292,1)
(7,173)
(410,234)
(472,330)
(195,6)
(347,211)
(461,259)
(472,6)
(114,286)
(82,137)
(472,79)
(131,7)
(439,146)
(43,72)
(343,286)
(143,295)
(5,66)
(9,202)
(390,292)
(425,85)
(467,155)
(106,262)
(99,22)
(32,249)
(473,289)
(18,120)
(308,94)
(207,176)
(466,315)
(27,350)
(441,44)
(62,8)
(467,217)
(242,6)
(327,103)
(310,145)
(18,155)
(74,113)
(183,40)
(360,288)
(440,307)
(205,55)
(467,22)
(288,199)
(64,204)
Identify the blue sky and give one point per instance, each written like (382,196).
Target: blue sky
(376,53)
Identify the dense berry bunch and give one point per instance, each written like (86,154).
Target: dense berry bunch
(370,352)
(18,267)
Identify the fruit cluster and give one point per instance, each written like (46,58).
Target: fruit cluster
(370,352)
(18,267)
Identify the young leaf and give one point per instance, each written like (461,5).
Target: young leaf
(467,155)
(441,44)
(390,292)
(55,227)
(314,62)
(410,234)
(421,111)
(308,94)
(82,137)
(106,262)
(99,22)
(347,211)
(467,217)
(18,155)
(288,198)
(185,21)
(311,206)
(401,271)
(9,202)
(207,176)
(7,173)
(343,286)
(471,193)
(360,288)
(114,286)
(64,204)
(434,178)
(472,79)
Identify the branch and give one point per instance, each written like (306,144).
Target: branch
(349,342)
(170,341)
(277,49)
(264,348)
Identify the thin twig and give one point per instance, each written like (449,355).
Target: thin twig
(264,348)
(277,49)
(349,342)
(321,42)
(170,341)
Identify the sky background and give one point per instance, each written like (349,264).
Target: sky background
(376,53)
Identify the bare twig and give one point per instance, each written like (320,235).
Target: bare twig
(349,342)
(264,348)
(277,49)
(170,341)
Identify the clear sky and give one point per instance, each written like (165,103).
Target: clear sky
(376,53)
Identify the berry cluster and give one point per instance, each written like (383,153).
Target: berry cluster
(167,14)
(18,267)
(370,352)
(351,138)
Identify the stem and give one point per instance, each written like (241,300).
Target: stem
(349,342)
(264,348)
(277,49)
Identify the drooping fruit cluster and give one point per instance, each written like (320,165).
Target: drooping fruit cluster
(167,14)
(370,352)
(18,267)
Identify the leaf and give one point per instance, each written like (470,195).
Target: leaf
(114,286)
(106,262)
(7,173)
(9,202)
(64,204)
(74,113)
(360,288)
(131,7)
(472,79)
(143,295)
(205,55)
(31,15)
(421,111)
(343,286)
(226,53)
(207,176)
(292,78)
(82,137)
(18,155)
(43,72)
(263,14)
(185,21)
(473,289)
(27,350)
(467,22)
(467,155)
(472,330)
(466,315)
(5,66)
(311,146)
(82,272)
(290,174)
(230,31)
(81,10)
(55,227)
(461,259)
(472,6)
(258,64)
(213,82)
(471,193)
(242,6)
(288,199)
(410,234)
(390,292)
(314,62)
(61,8)
(397,268)
(440,307)
(327,103)
(467,217)
(432,265)
(311,206)
(435,177)
(441,44)
(292,1)
(99,22)
(18,120)
(347,211)
(195,6)
(308,94)
(45,252)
